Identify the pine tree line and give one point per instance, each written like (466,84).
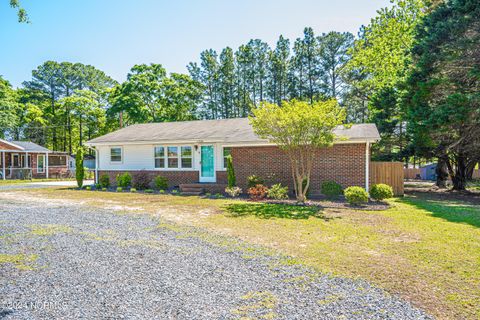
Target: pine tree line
(310,69)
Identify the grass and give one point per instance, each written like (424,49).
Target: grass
(20,261)
(426,250)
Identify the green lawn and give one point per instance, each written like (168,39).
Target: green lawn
(426,250)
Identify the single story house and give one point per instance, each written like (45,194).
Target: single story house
(25,159)
(188,153)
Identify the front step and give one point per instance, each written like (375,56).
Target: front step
(203,187)
(191,189)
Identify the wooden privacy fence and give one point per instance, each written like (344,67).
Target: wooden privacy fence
(411,173)
(390,173)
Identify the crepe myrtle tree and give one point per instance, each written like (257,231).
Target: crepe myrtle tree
(299,128)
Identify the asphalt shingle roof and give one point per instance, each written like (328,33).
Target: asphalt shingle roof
(236,130)
(29,146)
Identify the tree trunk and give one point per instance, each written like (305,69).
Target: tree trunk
(442,172)
(459,179)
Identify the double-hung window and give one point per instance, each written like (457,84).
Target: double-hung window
(173,157)
(226,152)
(186,157)
(159,157)
(116,154)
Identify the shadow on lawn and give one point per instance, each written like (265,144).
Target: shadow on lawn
(453,211)
(269,210)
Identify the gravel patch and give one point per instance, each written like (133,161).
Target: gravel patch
(95,263)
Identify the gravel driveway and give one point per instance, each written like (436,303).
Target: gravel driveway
(81,262)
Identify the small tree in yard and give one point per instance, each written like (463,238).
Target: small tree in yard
(79,169)
(232,181)
(299,129)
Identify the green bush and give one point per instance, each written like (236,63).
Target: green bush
(161,183)
(124,180)
(356,195)
(253,181)
(331,189)
(79,170)
(233,191)
(104,180)
(148,191)
(141,180)
(88,188)
(119,189)
(174,191)
(381,191)
(161,191)
(133,190)
(232,180)
(98,186)
(104,189)
(277,192)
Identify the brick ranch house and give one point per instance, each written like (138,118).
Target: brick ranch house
(191,154)
(25,159)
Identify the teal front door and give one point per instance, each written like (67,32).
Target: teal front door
(207,164)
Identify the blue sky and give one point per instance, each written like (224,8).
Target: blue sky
(115,35)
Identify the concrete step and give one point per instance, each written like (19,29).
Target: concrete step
(191,189)
(191,193)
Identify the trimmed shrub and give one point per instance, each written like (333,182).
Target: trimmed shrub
(161,191)
(277,192)
(219,196)
(233,191)
(104,181)
(88,188)
(257,192)
(124,180)
(231,179)
(356,195)
(331,189)
(254,180)
(119,189)
(141,180)
(381,191)
(98,186)
(161,183)
(104,189)
(133,190)
(79,169)
(148,191)
(174,191)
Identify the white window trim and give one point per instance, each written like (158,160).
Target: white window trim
(179,158)
(110,154)
(224,164)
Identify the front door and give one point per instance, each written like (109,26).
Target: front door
(207,164)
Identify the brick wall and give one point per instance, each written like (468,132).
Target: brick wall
(175,178)
(342,163)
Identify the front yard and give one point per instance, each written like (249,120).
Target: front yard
(425,249)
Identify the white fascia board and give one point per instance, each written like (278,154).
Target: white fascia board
(226,143)
(12,144)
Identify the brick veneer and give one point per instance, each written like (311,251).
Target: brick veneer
(175,178)
(342,163)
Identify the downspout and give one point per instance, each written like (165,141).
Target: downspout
(367,166)
(46,165)
(96,165)
(3,166)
